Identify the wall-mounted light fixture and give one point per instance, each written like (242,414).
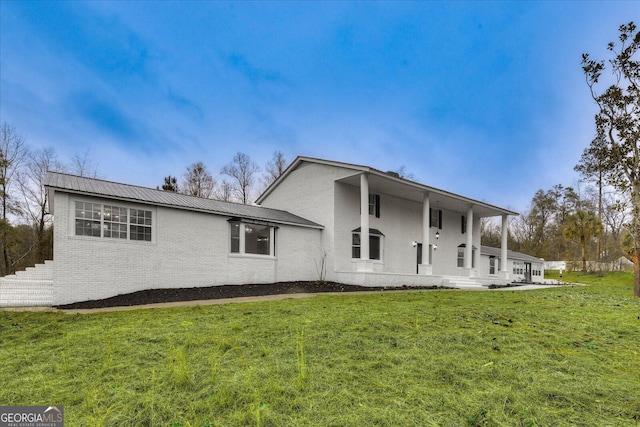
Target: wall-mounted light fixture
(435,246)
(437,235)
(414,243)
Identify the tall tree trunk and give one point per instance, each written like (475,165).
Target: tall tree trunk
(636,274)
(635,201)
(599,246)
(583,243)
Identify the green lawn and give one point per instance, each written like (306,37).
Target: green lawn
(556,357)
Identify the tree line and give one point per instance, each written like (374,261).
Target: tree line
(240,179)
(569,224)
(26,235)
(607,224)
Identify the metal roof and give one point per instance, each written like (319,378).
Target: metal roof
(488,250)
(131,193)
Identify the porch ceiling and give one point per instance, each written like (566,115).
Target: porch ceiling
(380,182)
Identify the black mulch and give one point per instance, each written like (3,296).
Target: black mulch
(153,296)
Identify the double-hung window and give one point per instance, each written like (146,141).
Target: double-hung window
(435,218)
(252,237)
(462,249)
(375,244)
(112,222)
(374,205)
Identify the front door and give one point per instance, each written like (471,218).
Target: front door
(527,272)
(419,257)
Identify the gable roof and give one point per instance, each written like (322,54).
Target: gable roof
(488,250)
(410,189)
(131,193)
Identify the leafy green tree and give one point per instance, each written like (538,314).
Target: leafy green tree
(582,226)
(616,147)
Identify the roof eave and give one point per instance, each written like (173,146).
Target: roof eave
(170,206)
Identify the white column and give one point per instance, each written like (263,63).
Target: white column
(426,228)
(503,245)
(425,267)
(364,217)
(469,249)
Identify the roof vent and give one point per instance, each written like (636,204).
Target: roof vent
(392,173)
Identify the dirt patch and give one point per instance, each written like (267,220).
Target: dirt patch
(154,296)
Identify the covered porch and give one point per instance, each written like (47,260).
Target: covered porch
(433,202)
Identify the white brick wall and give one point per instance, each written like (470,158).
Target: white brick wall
(189,249)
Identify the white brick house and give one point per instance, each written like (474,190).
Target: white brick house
(112,238)
(418,235)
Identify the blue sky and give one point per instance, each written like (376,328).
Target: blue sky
(486,99)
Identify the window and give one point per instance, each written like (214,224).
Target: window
(88,219)
(140,228)
(115,222)
(492,265)
(461,255)
(235,237)
(112,222)
(256,239)
(375,244)
(374,205)
(435,218)
(251,237)
(463,224)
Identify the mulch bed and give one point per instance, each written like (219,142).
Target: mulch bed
(153,296)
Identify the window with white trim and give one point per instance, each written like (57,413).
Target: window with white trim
(435,218)
(140,228)
(375,244)
(493,263)
(254,238)
(462,253)
(374,205)
(112,222)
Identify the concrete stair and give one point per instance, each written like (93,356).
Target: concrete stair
(461,282)
(28,288)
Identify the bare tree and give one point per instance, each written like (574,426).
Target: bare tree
(242,171)
(274,168)
(34,205)
(13,153)
(84,165)
(404,174)
(226,191)
(198,181)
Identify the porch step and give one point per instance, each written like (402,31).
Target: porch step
(31,287)
(461,282)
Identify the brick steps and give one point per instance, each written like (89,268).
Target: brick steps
(32,287)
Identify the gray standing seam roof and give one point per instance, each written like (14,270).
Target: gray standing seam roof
(132,193)
(488,250)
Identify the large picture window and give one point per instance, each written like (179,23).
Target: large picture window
(112,222)
(252,238)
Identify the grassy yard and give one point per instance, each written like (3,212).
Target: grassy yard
(557,357)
